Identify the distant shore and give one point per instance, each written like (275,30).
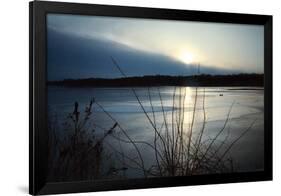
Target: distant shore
(248,80)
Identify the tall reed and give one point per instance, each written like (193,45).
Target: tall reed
(178,150)
(179,147)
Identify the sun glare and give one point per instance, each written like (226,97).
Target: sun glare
(186,57)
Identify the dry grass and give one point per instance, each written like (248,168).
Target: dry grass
(79,154)
(178,152)
(178,148)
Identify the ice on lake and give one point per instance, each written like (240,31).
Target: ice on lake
(244,105)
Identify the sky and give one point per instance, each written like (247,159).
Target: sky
(81,47)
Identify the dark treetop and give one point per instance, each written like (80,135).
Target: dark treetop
(164,80)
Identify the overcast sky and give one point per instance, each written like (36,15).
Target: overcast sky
(213,45)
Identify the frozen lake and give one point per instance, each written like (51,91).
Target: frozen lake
(162,105)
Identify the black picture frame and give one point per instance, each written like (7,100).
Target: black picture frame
(37,106)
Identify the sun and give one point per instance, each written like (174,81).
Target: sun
(185,57)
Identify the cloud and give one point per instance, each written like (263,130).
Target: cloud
(73,56)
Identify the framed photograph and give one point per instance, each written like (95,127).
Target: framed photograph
(131,97)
